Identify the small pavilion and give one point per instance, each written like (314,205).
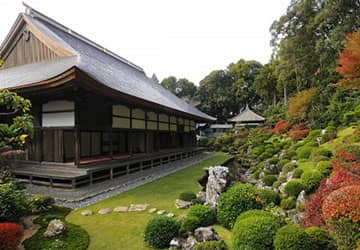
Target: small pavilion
(247,117)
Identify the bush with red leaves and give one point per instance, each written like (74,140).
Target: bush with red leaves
(340,177)
(282,126)
(343,203)
(10,235)
(297,134)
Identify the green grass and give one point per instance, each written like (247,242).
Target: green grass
(334,144)
(125,230)
(74,237)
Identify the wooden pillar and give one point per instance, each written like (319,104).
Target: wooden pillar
(77,134)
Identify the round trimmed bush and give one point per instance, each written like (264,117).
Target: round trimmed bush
(288,203)
(289,154)
(311,180)
(160,230)
(187,196)
(269,196)
(273,160)
(293,188)
(304,152)
(292,237)
(211,245)
(288,167)
(324,167)
(297,172)
(189,224)
(254,213)
(320,152)
(239,198)
(276,184)
(10,236)
(282,163)
(321,238)
(282,178)
(269,179)
(205,214)
(255,232)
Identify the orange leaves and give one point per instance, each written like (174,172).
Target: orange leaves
(343,203)
(300,103)
(349,61)
(281,126)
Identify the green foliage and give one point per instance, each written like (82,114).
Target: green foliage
(254,213)
(297,172)
(273,160)
(255,232)
(304,152)
(311,180)
(276,184)
(269,179)
(179,87)
(321,238)
(42,203)
(222,141)
(211,245)
(239,198)
(205,214)
(203,141)
(257,151)
(293,188)
(269,196)
(346,233)
(288,167)
(187,196)
(288,203)
(324,167)
(13,203)
(74,237)
(320,152)
(282,163)
(189,224)
(292,237)
(352,149)
(290,154)
(160,230)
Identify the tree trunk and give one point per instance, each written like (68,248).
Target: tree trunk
(274,97)
(285,95)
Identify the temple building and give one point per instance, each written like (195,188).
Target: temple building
(247,117)
(97,116)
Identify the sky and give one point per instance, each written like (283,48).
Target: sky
(183,38)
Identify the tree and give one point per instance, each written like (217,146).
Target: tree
(180,87)
(265,84)
(300,104)
(349,61)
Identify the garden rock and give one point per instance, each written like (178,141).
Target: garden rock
(289,176)
(170,215)
(205,234)
(217,183)
(177,242)
(189,243)
(201,196)
(301,199)
(282,188)
(296,216)
(182,204)
(105,211)
(86,212)
(152,210)
(121,209)
(160,212)
(138,207)
(272,168)
(55,228)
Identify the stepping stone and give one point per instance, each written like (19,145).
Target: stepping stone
(160,212)
(182,204)
(121,209)
(105,211)
(138,207)
(152,210)
(170,215)
(86,212)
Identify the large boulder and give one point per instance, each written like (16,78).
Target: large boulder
(301,199)
(216,184)
(205,234)
(55,228)
(182,204)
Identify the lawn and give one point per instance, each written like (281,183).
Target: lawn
(125,230)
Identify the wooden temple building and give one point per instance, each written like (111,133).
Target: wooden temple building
(97,116)
(246,117)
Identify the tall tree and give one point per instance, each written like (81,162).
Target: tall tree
(265,84)
(180,87)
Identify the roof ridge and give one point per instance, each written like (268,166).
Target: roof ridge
(36,14)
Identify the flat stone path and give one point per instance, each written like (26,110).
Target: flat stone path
(29,229)
(108,189)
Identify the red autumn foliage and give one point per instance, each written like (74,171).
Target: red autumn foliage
(10,235)
(296,135)
(345,156)
(282,126)
(340,177)
(342,203)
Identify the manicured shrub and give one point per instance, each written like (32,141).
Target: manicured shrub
(239,198)
(13,203)
(345,232)
(269,196)
(292,237)
(205,214)
(290,154)
(352,149)
(10,236)
(320,158)
(282,178)
(211,245)
(282,126)
(297,134)
(276,184)
(42,203)
(187,196)
(288,203)
(311,180)
(321,238)
(266,155)
(304,152)
(293,188)
(324,167)
(254,213)
(160,230)
(203,141)
(288,167)
(320,152)
(343,203)
(297,172)
(281,163)
(269,179)
(255,152)
(273,160)
(189,224)
(255,232)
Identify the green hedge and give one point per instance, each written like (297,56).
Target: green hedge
(304,152)
(160,230)
(211,245)
(292,237)
(293,188)
(321,238)
(269,196)
(205,214)
(311,180)
(269,180)
(187,196)
(288,203)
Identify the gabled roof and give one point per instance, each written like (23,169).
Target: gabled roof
(97,62)
(247,116)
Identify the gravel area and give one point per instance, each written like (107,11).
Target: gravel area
(81,197)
